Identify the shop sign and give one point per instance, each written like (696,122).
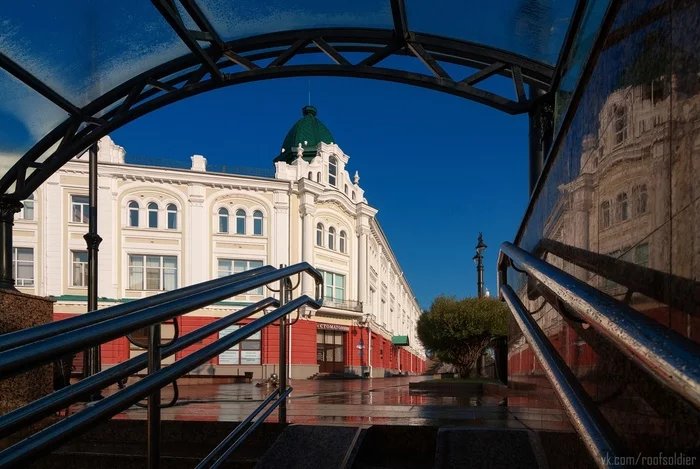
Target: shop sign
(332,327)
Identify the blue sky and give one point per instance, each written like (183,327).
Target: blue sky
(439,168)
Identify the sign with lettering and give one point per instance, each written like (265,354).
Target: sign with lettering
(332,327)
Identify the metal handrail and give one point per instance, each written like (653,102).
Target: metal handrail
(55,435)
(597,435)
(51,329)
(31,355)
(670,358)
(62,398)
(226,442)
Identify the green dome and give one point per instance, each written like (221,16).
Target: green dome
(309,131)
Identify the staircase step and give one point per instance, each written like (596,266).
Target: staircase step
(84,460)
(313,447)
(465,447)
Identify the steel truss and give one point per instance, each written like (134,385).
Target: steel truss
(265,57)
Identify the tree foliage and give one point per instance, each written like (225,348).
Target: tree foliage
(458,330)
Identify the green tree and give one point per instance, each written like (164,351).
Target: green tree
(458,330)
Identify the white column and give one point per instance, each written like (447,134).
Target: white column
(107,221)
(196,229)
(307,244)
(280,241)
(362,272)
(53,231)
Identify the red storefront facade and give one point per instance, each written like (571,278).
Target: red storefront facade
(353,353)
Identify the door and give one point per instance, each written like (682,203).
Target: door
(330,351)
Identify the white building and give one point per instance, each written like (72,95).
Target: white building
(164,228)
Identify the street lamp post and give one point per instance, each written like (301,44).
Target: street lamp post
(479,261)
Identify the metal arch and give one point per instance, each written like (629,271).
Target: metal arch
(190,75)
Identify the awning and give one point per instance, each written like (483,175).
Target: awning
(399,340)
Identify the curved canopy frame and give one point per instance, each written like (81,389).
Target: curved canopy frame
(265,57)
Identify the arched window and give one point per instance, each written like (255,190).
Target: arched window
(153,215)
(332,170)
(639,199)
(223,220)
(319,234)
(342,240)
(346,189)
(240,221)
(605,214)
(311,176)
(318,177)
(621,211)
(27,211)
(331,238)
(353,195)
(133,213)
(171,210)
(257,223)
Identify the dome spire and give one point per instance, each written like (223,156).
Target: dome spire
(303,138)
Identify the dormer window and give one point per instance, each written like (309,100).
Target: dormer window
(332,170)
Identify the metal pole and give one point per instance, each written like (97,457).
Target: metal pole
(154,399)
(92,363)
(479,275)
(8,208)
(283,351)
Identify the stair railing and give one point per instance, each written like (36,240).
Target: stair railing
(667,356)
(37,349)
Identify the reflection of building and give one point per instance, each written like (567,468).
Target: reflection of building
(618,202)
(168,227)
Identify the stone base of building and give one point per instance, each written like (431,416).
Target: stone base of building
(21,311)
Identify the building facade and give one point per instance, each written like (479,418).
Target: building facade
(168,227)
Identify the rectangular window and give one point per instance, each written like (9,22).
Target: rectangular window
(334,285)
(23,266)
(235,266)
(80,208)
(152,272)
(641,255)
(246,352)
(79,262)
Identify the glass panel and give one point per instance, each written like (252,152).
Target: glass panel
(152,218)
(338,338)
(338,354)
(239,266)
(97,50)
(223,223)
(25,115)
(329,354)
(250,17)
(172,217)
(225,267)
(240,222)
(250,345)
(28,210)
(534,29)
(25,254)
(136,278)
(152,279)
(319,337)
(329,338)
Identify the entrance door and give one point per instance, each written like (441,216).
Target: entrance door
(330,351)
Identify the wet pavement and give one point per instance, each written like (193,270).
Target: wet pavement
(385,401)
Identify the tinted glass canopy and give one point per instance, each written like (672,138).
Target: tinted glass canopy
(71,71)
